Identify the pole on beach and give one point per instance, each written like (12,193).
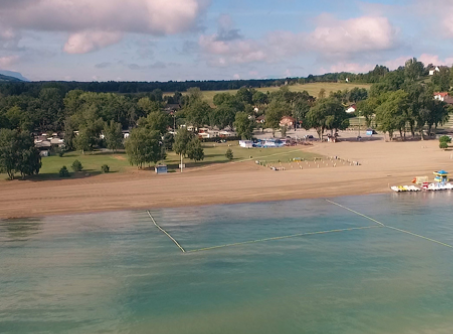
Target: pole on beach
(181,164)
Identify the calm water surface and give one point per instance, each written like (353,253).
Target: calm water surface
(117,273)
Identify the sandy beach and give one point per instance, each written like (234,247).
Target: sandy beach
(382,164)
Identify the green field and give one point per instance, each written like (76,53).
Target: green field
(312,88)
(118,162)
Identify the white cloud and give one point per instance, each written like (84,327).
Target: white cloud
(98,23)
(231,52)
(427,59)
(361,34)
(332,38)
(84,42)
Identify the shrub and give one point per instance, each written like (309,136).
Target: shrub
(445,139)
(64,172)
(105,169)
(61,153)
(229,154)
(443,145)
(77,166)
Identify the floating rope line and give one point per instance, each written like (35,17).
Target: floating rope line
(390,227)
(165,232)
(359,214)
(282,237)
(420,236)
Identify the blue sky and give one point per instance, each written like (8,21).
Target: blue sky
(160,40)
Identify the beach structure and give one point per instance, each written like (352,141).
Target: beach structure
(246,143)
(441,176)
(161,169)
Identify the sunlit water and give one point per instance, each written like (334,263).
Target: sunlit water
(117,273)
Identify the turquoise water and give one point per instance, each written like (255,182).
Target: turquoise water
(117,273)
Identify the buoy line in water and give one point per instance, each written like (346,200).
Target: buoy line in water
(390,227)
(165,232)
(355,212)
(282,237)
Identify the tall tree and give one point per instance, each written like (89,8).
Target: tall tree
(188,145)
(328,113)
(197,114)
(113,135)
(222,116)
(414,69)
(275,111)
(18,153)
(243,125)
(392,112)
(156,121)
(144,147)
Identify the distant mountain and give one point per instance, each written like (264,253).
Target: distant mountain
(6,78)
(12,74)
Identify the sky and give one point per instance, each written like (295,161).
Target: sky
(162,40)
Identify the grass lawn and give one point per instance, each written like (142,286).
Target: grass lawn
(215,153)
(312,88)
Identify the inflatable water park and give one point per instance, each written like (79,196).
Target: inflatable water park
(441,182)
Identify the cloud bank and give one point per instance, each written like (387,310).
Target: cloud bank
(332,39)
(94,24)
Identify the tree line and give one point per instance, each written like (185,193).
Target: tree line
(399,100)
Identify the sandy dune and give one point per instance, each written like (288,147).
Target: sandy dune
(383,164)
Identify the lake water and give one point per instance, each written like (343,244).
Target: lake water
(117,273)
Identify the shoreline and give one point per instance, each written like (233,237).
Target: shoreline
(177,205)
(383,165)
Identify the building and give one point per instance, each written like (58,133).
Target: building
(351,109)
(287,121)
(172,108)
(261,119)
(433,70)
(440,96)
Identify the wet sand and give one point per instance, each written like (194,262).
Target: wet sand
(382,165)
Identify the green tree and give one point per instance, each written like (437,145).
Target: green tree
(156,121)
(245,95)
(366,108)
(18,153)
(243,125)
(168,141)
(222,116)
(260,98)
(194,150)
(63,172)
(8,152)
(442,80)
(322,93)
(144,147)
(69,135)
(229,155)
(113,135)
(188,145)
(148,106)
(84,140)
(275,111)
(391,114)
(29,160)
(197,114)
(77,166)
(194,95)
(414,69)
(328,113)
